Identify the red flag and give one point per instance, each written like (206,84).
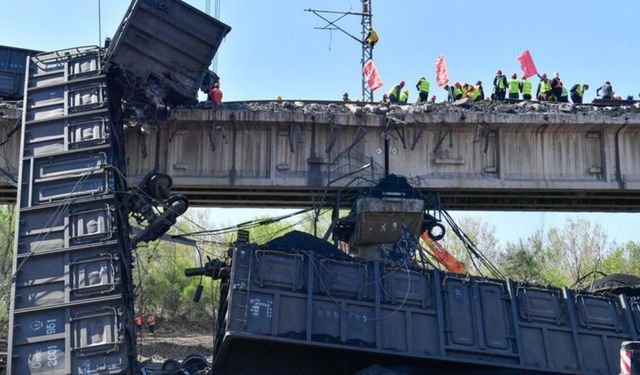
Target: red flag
(442,76)
(372,76)
(527,65)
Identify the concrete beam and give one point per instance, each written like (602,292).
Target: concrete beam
(505,157)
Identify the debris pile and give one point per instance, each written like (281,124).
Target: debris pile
(463,105)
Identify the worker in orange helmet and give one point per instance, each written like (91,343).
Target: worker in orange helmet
(137,320)
(151,323)
(216,94)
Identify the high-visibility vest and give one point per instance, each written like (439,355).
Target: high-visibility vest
(501,83)
(580,90)
(424,86)
(457,91)
(526,87)
(514,86)
(395,91)
(473,94)
(564,91)
(373,37)
(545,86)
(404,97)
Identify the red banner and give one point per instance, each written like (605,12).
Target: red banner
(371,75)
(442,75)
(527,65)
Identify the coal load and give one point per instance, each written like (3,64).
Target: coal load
(297,241)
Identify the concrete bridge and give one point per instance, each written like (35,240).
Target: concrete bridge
(486,157)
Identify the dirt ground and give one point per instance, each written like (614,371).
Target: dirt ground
(175,340)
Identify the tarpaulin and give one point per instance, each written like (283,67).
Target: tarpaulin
(371,75)
(527,65)
(442,76)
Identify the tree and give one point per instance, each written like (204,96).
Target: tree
(524,260)
(623,259)
(578,248)
(6,264)
(481,233)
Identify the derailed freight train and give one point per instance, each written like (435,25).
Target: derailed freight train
(300,305)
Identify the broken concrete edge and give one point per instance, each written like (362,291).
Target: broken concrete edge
(421,114)
(10,110)
(349,114)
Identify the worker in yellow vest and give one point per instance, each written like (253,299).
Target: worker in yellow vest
(394,93)
(423,90)
(544,92)
(499,86)
(372,37)
(526,88)
(514,87)
(457,91)
(404,97)
(473,93)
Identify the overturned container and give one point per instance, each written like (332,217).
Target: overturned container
(162,51)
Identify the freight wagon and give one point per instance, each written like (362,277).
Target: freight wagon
(12,66)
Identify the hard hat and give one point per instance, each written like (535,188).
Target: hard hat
(499,71)
(401,83)
(514,75)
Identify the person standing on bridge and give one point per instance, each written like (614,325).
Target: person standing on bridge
(526,88)
(556,86)
(544,89)
(216,94)
(394,93)
(514,87)
(499,85)
(423,89)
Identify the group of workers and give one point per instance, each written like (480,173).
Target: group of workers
(151,322)
(503,88)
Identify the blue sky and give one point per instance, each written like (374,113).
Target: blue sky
(273,49)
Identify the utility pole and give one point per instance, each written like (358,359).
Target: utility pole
(366,22)
(99,24)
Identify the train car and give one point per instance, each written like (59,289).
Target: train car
(12,65)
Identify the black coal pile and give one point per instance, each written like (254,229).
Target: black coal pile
(296,241)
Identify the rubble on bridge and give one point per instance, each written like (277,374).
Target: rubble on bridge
(463,105)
